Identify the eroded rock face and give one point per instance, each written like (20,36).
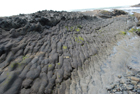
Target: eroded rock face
(46,52)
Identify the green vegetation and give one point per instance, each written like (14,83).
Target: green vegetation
(58,63)
(24,57)
(134,30)
(59,76)
(7,73)
(67,28)
(132,15)
(138,30)
(7,80)
(87,42)
(123,32)
(64,47)
(79,26)
(79,39)
(77,29)
(50,65)
(104,11)
(18,64)
(15,64)
(100,30)
(72,28)
(94,54)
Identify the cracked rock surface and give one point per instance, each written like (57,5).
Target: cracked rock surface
(50,52)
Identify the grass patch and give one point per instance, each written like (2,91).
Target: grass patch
(67,28)
(24,57)
(105,11)
(123,32)
(138,30)
(64,47)
(79,26)
(80,38)
(71,29)
(59,76)
(7,80)
(58,63)
(15,65)
(132,15)
(77,29)
(50,65)
(132,30)
(7,73)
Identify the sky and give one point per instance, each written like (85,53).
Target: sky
(14,7)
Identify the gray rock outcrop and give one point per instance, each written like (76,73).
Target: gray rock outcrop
(48,51)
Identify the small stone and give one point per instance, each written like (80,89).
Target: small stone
(130,92)
(118,93)
(138,90)
(5,69)
(66,57)
(110,87)
(125,92)
(134,90)
(121,82)
(129,87)
(134,78)
(119,76)
(138,86)
(134,82)
(129,73)
(114,90)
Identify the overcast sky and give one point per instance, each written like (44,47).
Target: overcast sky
(13,7)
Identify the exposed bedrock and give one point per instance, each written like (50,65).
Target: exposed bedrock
(48,52)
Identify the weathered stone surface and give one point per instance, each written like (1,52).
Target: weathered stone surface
(49,52)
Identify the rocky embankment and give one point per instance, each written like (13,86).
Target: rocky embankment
(50,52)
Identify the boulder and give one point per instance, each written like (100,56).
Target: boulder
(118,12)
(105,14)
(137,15)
